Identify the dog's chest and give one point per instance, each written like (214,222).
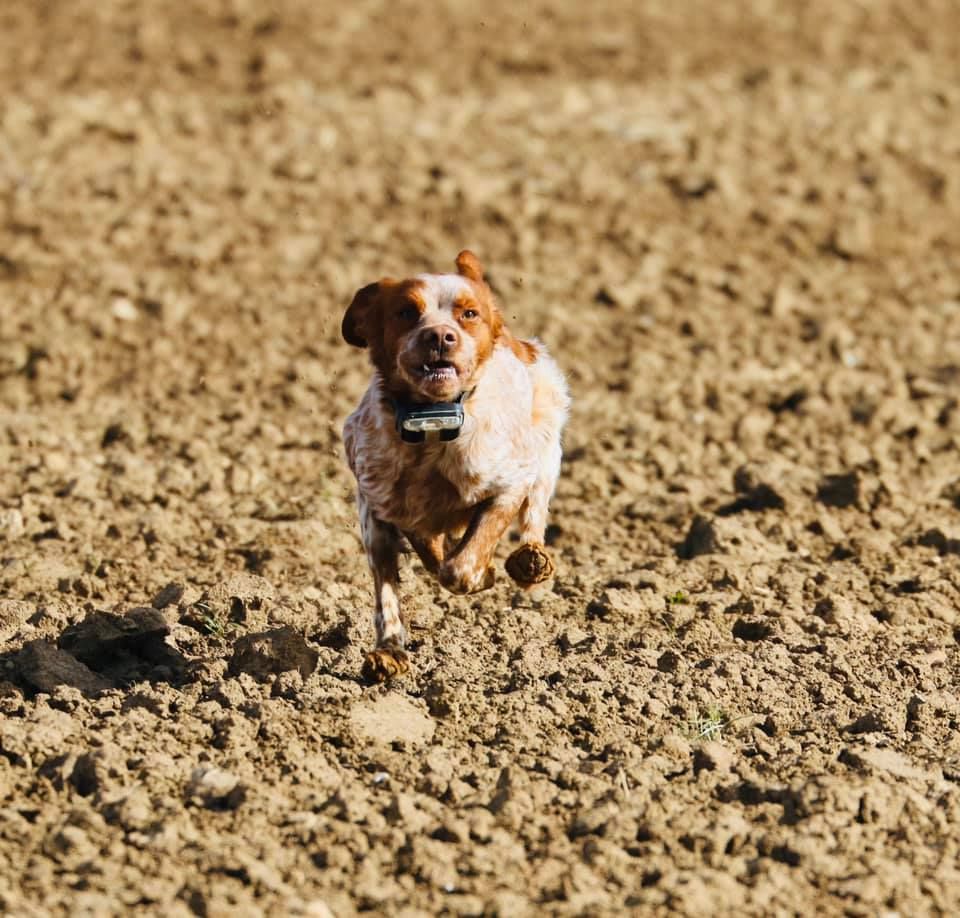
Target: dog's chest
(424,493)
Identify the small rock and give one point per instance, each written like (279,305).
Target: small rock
(852,237)
(287,685)
(215,788)
(170,594)
(655,708)
(453,831)
(871,722)
(592,821)
(943,543)
(114,433)
(271,652)
(839,490)
(756,495)
(228,693)
(712,756)
(11,699)
(390,718)
(573,637)
(14,614)
(71,847)
(315,908)
(751,630)
(872,758)
(752,430)
(624,604)
(701,539)
(605,297)
(66,698)
(834,609)
(99,771)
(131,809)
(668,661)
(251,589)
(512,803)
(123,309)
(11,523)
(676,746)
(44,667)
(438,763)
(403,811)
(830,528)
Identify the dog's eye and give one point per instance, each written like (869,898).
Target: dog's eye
(408,314)
(468,314)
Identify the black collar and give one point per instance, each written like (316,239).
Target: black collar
(416,420)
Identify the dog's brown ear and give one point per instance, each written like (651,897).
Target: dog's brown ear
(468,265)
(354,327)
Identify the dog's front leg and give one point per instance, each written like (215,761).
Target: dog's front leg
(469,568)
(382,542)
(530,564)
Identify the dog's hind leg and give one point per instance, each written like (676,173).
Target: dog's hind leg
(382,543)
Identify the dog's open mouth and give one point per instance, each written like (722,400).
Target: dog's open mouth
(438,371)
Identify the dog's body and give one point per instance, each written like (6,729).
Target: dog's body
(440,340)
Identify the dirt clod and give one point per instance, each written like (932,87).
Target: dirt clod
(839,490)
(701,539)
(98,639)
(215,788)
(712,756)
(44,667)
(270,652)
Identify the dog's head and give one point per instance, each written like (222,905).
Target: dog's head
(428,336)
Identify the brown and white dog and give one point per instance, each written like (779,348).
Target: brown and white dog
(439,346)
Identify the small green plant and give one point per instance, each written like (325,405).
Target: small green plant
(708,724)
(213,624)
(678,599)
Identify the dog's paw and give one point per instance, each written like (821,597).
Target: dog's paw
(460,579)
(385,663)
(529,565)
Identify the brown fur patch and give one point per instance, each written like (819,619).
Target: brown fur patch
(524,350)
(485,328)
(385,326)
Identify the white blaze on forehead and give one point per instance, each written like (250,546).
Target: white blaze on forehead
(440,291)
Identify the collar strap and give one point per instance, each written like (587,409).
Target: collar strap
(415,421)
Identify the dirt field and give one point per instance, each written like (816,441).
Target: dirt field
(736,225)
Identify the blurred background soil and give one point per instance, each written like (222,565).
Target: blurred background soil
(737,227)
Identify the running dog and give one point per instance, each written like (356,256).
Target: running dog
(457,436)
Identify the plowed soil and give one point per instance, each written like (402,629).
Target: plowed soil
(736,226)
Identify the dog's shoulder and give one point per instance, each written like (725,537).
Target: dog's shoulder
(365,428)
(523,383)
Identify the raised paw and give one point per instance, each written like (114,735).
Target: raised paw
(529,565)
(459,579)
(385,663)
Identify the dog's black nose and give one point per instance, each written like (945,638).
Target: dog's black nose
(439,338)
